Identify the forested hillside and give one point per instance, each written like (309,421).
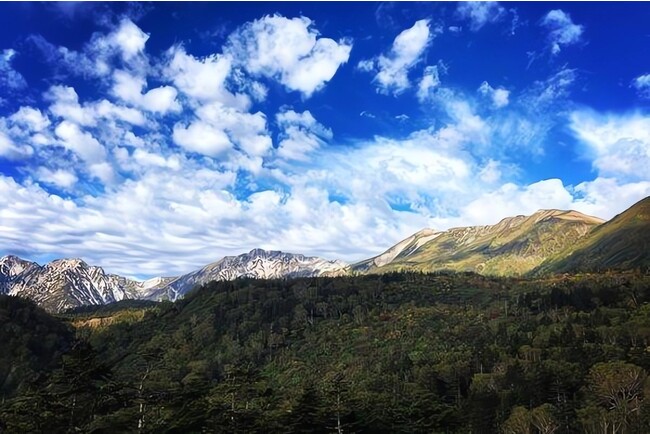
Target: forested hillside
(452,353)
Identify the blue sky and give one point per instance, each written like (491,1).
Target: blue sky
(154,138)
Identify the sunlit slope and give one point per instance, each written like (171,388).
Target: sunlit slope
(514,246)
(621,243)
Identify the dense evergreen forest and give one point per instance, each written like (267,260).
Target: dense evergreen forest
(393,353)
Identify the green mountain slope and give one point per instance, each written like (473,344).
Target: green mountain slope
(514,246)
(621,243)
(31,342)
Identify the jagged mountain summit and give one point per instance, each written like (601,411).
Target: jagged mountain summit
(257,263)
(68,283)
(514,246)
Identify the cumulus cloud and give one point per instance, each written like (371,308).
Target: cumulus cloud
(602,197)
(145,158)
(605,197)
(301,135)
(31,118)
(10,79)
(202,138)
(202,79)
(499,96)
(618,145)
(480,13)
(129,38)
(246,130)
(290,51)
(129,88)
(80,142)
(406,51)
(60,177)
(65,104)
(642,85)
(13,151)
(562,30)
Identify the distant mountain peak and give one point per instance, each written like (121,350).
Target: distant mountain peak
(257,263)
(13,258)
(68,263)
(12,266)
(425,232)
(567,215)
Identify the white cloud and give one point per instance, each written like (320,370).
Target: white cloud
(288,50)
(246,130)
(306,194)
(301,135)
(145,158)
(32,118)
(158,100)
(605,197)
(203,79)
(491,172)
(407,50)
(10,79)
(124,45)
(511,199)
(480,13)
(562,30)
(642,85)
(80,142)
(12,151)
(104,109)
(60,177)
(618,145)
(102,171)
(430,81)
(367,65)
(499,96)
(65,104)
(129,38)
(544,93)
(202,138)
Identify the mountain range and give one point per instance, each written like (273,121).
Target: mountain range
(548,241)
(68,283)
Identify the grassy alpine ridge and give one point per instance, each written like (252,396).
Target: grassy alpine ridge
(398,352)
(544,243)
(512,247)
(621,243)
